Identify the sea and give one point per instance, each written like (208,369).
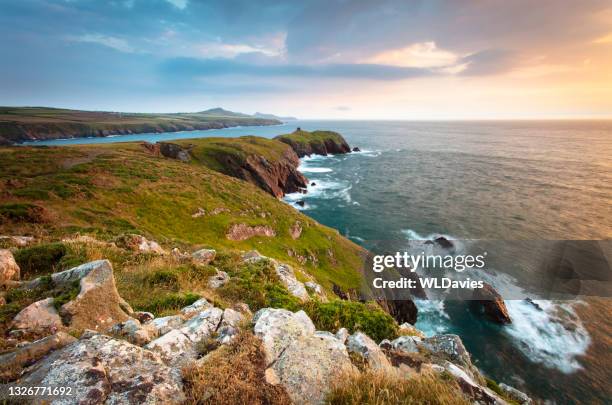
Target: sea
(529,181)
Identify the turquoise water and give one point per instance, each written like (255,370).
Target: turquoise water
(473,180)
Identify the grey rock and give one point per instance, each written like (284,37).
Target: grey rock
(515,394)
(218,280)
(163,325)
(407,344)
(195,308)
(361,344)
(203,256)
(202,325)
(39,316)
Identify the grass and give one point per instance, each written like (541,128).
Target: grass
(304,138)
(233,374)
(377,388)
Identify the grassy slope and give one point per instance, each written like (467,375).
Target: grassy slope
(105,190)
(54,122)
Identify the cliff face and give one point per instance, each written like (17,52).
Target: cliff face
(306,143)
(270,165)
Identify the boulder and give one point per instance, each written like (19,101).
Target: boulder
(195,308)
(443,242)
(143,317)
(240,232)
(102,369)
(203,256)
(174,348)
(356,149)
(12,363)
(39,316)
(202,325)
(218,280)
(477,392)
(515,394)
(342,334)
(296,230)
(301,203)
(449,346)
(9,270)
(163,325)
(287,277)
(279,327)
(407,344)
(308,366)
(407,329)
(253,256)
(98,304)
(139,244)
(488,301)
(314,287)
(133,332)
(361,344)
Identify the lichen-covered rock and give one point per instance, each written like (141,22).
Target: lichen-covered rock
(407,344)
(240,232)
(477,392)
(287,277)
(314,287)
(39,316)
(9,270)
(98,305)
(361,344)
(105,370)
(133,332)
(12,363)
(308,366)
(278,327)
(218,280)
(253,256)
(163,325)
(450,346)
(409,330)
(139,244)
(174,347)
(515,394)
(143,317)
(342,334)
(203,324)
(203,256)
(195,308)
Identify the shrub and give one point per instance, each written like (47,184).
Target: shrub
(354,316)
(233,374)
(40,259)
(68,295)
(378,388)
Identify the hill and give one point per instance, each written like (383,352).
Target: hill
(306,143)
(19,124)
(273,117)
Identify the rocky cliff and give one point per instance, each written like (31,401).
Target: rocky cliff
(306,143)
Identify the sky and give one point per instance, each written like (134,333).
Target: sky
(337,59)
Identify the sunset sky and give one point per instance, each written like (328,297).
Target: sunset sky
(312,59)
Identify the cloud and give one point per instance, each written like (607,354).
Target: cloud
(115,43)
(488,62)
(180,4)
(421,55)
(343,108)
(228,50)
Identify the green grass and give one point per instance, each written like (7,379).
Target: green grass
(170,302)
(306,137)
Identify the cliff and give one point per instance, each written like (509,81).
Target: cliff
(19,124)
(306,143)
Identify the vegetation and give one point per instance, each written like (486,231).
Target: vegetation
(233,374)
(378,388)
(19,124)
(304,138)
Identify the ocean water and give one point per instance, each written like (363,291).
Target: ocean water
(505,181)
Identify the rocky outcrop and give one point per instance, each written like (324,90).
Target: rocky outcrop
(515,395)
(102,369)
(242,232)
(218,280)
(362,345)
(139,244)
(37,317)
(9,270)
(306,143)
(488,301)
(203,256)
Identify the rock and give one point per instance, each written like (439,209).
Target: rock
(174,151)
(203,256)
(231,317)
(240,232)
(287,277)
(314,287)
(39,316)
(402,310)
(488,300)
(514,394)
(243,308)
(9,270)
(144,317)
(199,213)
(308,366)
(301,203)
(271,377)
(178,255)
(342,334)
(356,149)
(313,184)
(12,363)
(407,344)
(450,346)
(202,325)
(443,242)
(105,370)
(480,394)
(218,280)
(97,286)
(19,241)
(385,344)
(361,344)
(253,256)
(296,230)
(409,330)
(133,332)
(198,306)
(174,348)
(139,244)
(535,304)
(163,325)
(278,327)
